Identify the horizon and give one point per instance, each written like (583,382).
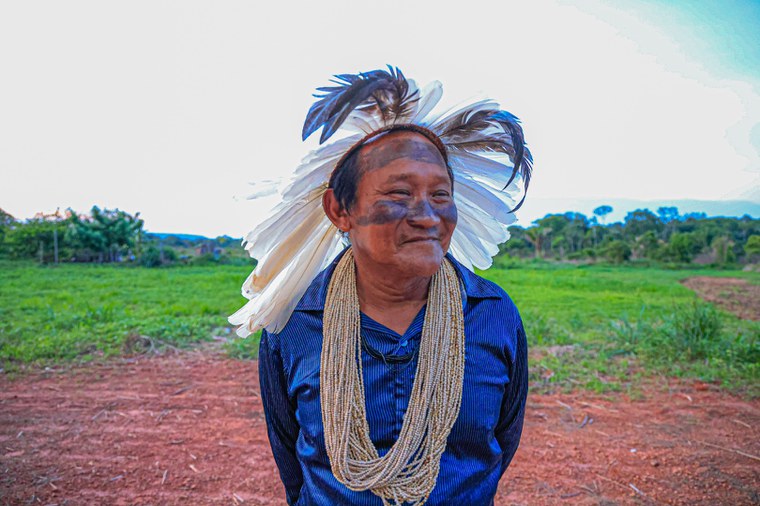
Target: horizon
(616,216)
(650,102)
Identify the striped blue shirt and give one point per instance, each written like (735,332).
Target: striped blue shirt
(483,439)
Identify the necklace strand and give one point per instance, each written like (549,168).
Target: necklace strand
(408,472)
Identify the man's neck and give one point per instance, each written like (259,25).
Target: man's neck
(391,300)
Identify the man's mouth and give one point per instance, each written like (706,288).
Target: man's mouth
(422,239)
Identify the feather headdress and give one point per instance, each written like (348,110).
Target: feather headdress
(486,152)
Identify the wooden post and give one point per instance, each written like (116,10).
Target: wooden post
(55,244)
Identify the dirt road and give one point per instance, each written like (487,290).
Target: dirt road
(189,429)
(737,296)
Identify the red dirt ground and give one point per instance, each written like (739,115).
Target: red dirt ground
(732,294)
(189,429)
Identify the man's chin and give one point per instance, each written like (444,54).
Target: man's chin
(423,258)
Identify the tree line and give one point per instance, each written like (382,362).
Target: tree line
(108,236)
(665,236)
(105,235)
(112,235)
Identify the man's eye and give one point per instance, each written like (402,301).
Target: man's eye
(441,194)
(399,191)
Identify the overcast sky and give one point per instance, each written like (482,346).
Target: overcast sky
(172,108)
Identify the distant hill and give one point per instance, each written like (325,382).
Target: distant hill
(538,208)
(190,237)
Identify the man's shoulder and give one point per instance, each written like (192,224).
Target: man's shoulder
(301,337)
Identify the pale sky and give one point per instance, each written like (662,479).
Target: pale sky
(172,108)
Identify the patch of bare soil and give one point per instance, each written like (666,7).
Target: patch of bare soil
(189,429)
(732,294)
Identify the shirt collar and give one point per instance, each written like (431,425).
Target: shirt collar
(475,287)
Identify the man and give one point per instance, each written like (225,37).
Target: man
(398,375)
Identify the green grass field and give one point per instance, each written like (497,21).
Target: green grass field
(595,327)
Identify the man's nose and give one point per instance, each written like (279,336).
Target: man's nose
(423,214)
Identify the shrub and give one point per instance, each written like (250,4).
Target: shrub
(693,331)
(617,251)
(155,257)
(752,248)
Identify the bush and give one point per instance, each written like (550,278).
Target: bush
(155,257)
(682,247)
(617,251)
(752,248)
(584,254)
(692,334)
(693,331)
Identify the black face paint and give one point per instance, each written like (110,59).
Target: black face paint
(391,149)
(388,211)
(384,211)
(448,213)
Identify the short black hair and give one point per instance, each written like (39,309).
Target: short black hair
(344,181)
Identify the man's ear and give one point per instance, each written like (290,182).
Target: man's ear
(333,210)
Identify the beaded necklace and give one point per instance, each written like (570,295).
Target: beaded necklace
(408,472)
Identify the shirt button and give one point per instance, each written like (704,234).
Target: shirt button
(404,343)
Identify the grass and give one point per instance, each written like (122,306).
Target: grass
(604,327)
(594,327)
(48,314)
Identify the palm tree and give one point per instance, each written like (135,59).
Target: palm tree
(537,236)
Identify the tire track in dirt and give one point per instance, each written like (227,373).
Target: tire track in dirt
(735,295)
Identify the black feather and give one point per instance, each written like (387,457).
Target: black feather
(387,91)
(469,131)
(521,159)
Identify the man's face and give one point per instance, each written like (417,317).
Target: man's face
(404,214)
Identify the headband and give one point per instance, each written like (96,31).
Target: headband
(483,146)
(392,128)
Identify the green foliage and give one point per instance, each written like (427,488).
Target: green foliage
(247,348)
(35,239)
(103,236)
(6,223)
(667,214)
(158,257)
(602,211)
(682,247)
(723,250)
(602,327)
(693,339)
(639,222)
(693,331)
(616,251)
(752,248)
(663,237)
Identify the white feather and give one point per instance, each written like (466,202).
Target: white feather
(457,252)
(296,241)
(475,251)
(279,224)
(486,170)
(477,193)
(284,241)
(485,227)
(264,188)
(430,95)
(272,306)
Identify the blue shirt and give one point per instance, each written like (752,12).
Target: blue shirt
(483,439)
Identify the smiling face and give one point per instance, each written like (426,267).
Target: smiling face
(404,215)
